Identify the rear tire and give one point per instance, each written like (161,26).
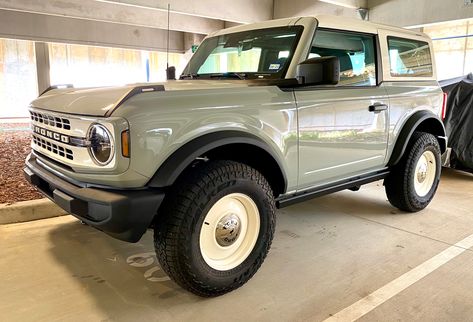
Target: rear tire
(215,227)
(412,183)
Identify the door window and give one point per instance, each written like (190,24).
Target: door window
(356,53)
(409,58)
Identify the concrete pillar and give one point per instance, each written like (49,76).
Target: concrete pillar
(42,66)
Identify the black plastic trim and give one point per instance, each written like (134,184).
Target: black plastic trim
(351,183)
(50,88)
(184,156)
(409,128)
(135,91)
(124,215)
(280,82)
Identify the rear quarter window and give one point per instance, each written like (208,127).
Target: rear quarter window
(409,58)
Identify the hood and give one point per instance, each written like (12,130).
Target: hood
(103,100)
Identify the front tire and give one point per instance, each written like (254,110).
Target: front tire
(412,183)
(215,227)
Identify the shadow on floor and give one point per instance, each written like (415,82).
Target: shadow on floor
(452,174)
(121,277)
(125,279)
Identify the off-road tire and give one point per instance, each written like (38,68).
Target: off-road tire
(399,184)
(178,225)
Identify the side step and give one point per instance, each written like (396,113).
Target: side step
(352,184)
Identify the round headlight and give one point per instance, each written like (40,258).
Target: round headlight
(101,144)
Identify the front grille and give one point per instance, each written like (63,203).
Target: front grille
(52,147)
(50,120)
(42,156)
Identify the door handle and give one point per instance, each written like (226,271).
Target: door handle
(377,107)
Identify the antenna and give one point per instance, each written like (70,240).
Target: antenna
(170,71)
(167,46)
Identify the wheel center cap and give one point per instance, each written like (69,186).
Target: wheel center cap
(422,173)
(228,230)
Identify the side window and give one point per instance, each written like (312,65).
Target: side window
(409,58)
(356,53)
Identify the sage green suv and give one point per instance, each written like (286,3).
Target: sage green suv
(263,116)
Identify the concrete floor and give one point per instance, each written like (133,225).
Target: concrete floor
(328,253)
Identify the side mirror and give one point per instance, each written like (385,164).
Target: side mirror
(319,71)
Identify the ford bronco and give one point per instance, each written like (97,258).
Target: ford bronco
(263,116)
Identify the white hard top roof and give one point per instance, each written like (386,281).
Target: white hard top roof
(338,22)
(324,21)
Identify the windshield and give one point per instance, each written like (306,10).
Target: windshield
(263,53)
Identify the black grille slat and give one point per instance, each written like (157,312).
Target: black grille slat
(66,124)
(54,148)
(59,122)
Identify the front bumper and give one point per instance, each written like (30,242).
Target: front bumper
(122,214)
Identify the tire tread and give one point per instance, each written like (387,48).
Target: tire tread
(398,185)
(171,241)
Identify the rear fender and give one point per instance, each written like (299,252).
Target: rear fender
(423,121)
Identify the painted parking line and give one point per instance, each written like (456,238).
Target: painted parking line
(381,295)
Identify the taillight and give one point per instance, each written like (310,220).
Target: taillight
(444,105)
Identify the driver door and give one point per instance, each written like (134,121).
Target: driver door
(343,129)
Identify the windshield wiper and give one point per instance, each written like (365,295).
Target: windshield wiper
(228,75)
(191,76)
(215,75)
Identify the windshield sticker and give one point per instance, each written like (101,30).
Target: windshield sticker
(274,66)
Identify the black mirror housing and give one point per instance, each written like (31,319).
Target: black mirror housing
(171,73)
(319,71)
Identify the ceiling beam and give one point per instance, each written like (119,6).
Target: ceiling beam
(291,8)
(37,27)
(241,11)
(351,4)
(104,11)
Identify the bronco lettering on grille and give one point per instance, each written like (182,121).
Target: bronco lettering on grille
(52,135)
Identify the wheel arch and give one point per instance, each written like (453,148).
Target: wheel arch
(229,145)
(423,121)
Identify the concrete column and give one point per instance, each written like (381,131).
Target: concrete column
(42,65)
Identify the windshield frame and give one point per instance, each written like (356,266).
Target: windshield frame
(281,74)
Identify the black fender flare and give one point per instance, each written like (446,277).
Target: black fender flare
(425,121)
(179,160)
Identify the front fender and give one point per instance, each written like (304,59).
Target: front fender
(175,164)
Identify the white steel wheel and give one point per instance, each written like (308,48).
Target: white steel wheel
(413,181)
(425,173)
(229,231)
